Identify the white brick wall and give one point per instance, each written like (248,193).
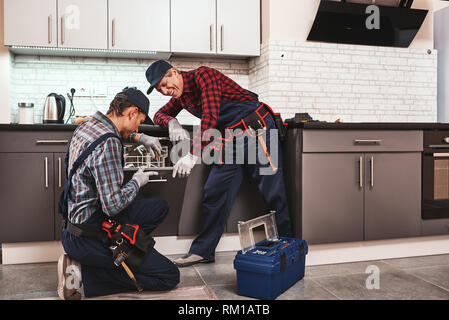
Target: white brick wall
(353,83)
(329,81)
(34,77)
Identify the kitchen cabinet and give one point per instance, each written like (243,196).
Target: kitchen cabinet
(32,171)
(83,24)
(139,25)
(238,27)
(392,195)
(27,197)
(332,197)
(358,186)
(30,23)
(193,26)
(227,27)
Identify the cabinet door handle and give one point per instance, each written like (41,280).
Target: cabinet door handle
(46,172)
(222,39)
(62,30)
(369,141)
(52,141)
(113,32)
(211,37)
(158,180)
(59,172)
(372,172)
(361,172)
(50,20)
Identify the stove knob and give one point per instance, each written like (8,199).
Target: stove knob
(446,139)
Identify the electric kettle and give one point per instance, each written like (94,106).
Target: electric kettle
(54,109)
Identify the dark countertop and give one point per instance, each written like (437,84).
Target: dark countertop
(156,130)
(307,125)
(371,125)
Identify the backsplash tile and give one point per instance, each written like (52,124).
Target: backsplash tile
(34,77)
(329,81)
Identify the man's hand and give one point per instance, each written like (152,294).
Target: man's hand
(176,132)
(184,165)
(142,177)
(152,144)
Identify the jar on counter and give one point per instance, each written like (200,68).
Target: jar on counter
(26,113)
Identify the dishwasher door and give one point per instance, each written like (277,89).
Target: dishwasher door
(165,187)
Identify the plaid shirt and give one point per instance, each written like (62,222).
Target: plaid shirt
(203,90)
(97,184)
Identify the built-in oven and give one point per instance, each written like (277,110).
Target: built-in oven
(435,175)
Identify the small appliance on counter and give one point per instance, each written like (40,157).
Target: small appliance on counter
(269,267)
(26,113)
(54,109)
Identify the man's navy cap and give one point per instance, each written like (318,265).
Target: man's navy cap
(155,72)
(138,98)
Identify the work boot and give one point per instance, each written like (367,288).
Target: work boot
(189,260)
(69,278)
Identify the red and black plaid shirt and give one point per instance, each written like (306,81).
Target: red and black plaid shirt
(203,90)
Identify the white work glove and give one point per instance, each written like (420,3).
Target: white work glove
(176,132)
(152,144)
(142,177)
(184,165)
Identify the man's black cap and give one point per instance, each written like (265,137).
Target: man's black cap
(155,72)
(138,98)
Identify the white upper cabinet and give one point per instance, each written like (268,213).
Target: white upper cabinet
(193,26)
(139,25)
(83,24)
(211,27)
(30,23)
(238,27)
(228,27)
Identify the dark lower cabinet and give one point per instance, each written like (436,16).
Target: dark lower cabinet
(26,197)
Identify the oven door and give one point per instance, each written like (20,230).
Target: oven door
(435,192)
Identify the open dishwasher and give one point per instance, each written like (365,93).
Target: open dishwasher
(162,186)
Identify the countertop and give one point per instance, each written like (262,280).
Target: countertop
(307,125)
(371,125)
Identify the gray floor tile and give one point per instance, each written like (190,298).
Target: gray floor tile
(306,289)
(437,275)
(393,284)
(345,268)
(419,262)
(190,277)
(28,278)
(228,292)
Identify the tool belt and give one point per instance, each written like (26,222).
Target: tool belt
(254,123)
(126,241)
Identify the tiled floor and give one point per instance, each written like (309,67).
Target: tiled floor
(406,278)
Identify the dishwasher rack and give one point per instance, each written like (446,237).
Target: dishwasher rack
(138,157)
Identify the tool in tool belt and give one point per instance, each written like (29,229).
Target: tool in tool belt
(126,241)
(255,125)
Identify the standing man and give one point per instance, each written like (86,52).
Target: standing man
(222,104)
(96,193)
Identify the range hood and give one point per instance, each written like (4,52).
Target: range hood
(345,22)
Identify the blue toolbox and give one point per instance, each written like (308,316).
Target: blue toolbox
(267,268)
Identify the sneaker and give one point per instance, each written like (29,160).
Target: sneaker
(69,278)
(189,260)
